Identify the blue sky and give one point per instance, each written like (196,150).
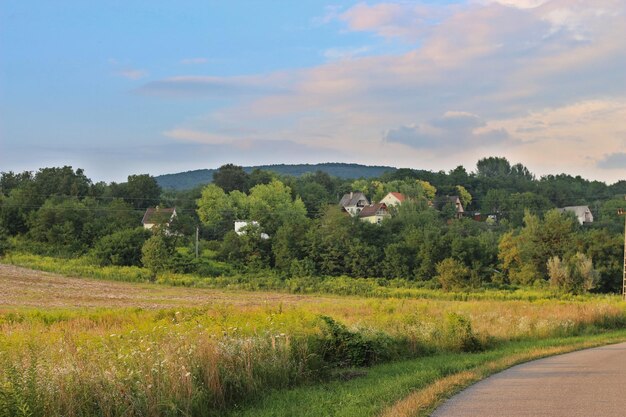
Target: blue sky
(123,87)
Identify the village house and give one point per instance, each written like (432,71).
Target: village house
(374,213)
(243,226)
(354,202)
(157,216)
(583,213)
(393,199)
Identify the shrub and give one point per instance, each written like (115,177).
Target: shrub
(155,255)
(459,335)
(121,248)
(576,277)
(452,274)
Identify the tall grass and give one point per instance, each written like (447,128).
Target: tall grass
(202,361)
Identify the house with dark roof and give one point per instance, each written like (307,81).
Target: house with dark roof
(393,199)
(354,202)
(583,213)
(374,213)
(158,216)
(440,202)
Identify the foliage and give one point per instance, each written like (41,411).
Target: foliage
(231,177)
(155,254)
(59,211)
(4,241)
(464,195)
(452,274)
(141,191)
(123,248)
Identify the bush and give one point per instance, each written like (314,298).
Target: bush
(452,274)
(344,348)
(577,276)
(459,335)
(121,248)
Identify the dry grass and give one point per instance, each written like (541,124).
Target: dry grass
(73,344)
(21,287)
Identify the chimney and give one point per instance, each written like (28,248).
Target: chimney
(351,195)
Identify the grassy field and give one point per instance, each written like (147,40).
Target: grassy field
(86,347)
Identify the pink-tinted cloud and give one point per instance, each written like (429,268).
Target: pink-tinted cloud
(531,70)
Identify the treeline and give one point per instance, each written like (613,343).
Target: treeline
(295,227)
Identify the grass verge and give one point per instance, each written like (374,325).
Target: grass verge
(411,388)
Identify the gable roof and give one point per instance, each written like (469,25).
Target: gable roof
(401,197)
(351,199)
(583,213)
(157,215)
(579,210)
(372,210)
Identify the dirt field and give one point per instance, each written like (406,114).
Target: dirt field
(20,287)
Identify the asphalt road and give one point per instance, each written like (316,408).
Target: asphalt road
(586,383)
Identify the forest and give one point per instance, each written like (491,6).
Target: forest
(511,234)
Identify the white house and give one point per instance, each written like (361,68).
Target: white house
(583,214)
(354,202)
(242,227)
(393,199)
(158,216)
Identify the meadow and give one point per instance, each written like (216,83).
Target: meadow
(88,347)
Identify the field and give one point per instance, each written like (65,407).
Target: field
(86,347)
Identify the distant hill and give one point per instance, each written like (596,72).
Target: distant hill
(190,179)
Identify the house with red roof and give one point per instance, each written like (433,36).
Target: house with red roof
(393,199)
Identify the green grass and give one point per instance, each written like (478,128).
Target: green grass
(384,385)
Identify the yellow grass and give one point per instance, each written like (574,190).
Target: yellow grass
(77,346)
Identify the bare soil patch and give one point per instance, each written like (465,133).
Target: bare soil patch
(21,287)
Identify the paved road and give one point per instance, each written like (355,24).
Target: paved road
(587,383)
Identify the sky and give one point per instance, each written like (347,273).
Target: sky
(148,86)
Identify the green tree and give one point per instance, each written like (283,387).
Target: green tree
(231,177)
(63,223)
(289,244)
(329,239)
(524,256)
(141,191)
(214,208)
(122,248)
(493,167)
(272,205)
(156,253)
(464,195)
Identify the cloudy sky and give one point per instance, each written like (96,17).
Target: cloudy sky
(145,86)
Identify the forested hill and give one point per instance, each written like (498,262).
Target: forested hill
(190,179)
